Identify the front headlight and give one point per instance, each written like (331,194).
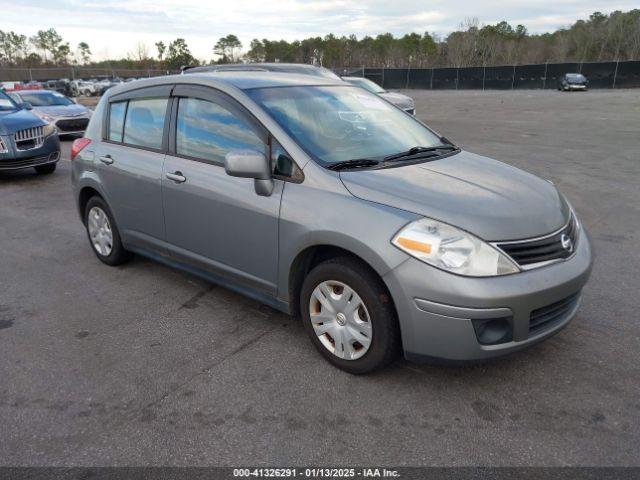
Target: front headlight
(45,117)
(452,249)
(49,129)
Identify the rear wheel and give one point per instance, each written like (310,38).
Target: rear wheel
(349,316)
(46,169)
(103,233)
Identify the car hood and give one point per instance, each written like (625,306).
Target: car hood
(490,199)
(398,99)
(63,110)
(15,120)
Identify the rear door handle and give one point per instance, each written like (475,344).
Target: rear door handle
(106,159)
(177,177)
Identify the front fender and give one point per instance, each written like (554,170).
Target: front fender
(312,217)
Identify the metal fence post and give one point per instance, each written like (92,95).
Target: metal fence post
(30,75)
(362,71)
(513,78)
(615,73)
(431,81)
(457,76)
(544,79)
(383,69)
(408,70)
(484,75)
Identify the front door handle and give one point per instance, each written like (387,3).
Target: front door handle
(177,177)
(106,159)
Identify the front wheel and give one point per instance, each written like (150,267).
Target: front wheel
(103,233)
(349,316)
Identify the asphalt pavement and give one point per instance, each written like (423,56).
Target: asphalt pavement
(146,365)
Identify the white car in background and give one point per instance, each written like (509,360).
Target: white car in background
(399,100)
(84,88)
(68,117)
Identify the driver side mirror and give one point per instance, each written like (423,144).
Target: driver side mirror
(250,164)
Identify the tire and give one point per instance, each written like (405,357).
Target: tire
(108,250)
(347,275)
(46,169)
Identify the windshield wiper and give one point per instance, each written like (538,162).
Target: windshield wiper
(356,163)
(412,152)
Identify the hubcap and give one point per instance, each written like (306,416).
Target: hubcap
(100,231)
(340,320)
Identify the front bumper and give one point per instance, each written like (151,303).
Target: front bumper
(16,159)
(437,309)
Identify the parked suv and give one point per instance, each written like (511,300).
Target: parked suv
(321,199)
(25,139)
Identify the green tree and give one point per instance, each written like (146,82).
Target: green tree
(179,55)
(162,48)
(226,49)
(48,41)
(256,51)
(13,46)
(84,52)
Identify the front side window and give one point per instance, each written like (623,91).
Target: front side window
(144,123)
(117,112)
(338,123)
(207,131)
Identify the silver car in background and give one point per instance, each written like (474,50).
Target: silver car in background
(404,102)
(322,200)
(68,117)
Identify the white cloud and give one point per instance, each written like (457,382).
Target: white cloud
(114,27)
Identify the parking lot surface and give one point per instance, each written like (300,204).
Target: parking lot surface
(143,364)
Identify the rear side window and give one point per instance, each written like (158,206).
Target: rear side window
(116,120)
(144,123)
(206,130)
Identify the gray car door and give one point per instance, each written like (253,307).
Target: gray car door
(129,163)
(214,221)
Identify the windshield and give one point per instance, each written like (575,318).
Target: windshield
(338,123)
(5,102)
(45,99)
(367,84)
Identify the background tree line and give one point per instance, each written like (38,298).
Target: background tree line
(601,37)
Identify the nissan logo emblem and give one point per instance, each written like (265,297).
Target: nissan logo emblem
(566,242)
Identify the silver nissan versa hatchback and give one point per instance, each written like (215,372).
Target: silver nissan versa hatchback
(325,201)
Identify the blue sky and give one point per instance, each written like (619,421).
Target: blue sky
(114,28)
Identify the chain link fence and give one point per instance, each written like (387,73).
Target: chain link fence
(542,76)
(72,73)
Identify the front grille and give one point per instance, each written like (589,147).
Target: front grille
(3,146)
(546,317)
(29,138)
(555,246)
(72,125)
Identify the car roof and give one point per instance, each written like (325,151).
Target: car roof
(37,91)
(303,68)
(243,80)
